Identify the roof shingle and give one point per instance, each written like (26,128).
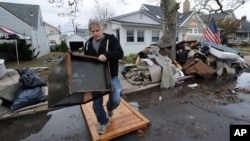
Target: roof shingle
(25,12)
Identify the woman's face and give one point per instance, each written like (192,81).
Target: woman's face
(96,32)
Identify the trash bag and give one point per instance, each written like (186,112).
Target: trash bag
(29,79)
(27,97)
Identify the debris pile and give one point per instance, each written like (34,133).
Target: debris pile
(21,88)
(193,59)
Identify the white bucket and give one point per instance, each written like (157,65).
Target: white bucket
(2,68)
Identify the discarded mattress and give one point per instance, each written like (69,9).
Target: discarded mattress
(220,47)
(225,55)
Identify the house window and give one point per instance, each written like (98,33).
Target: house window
(195,30)
(155,36)
(52,42)
(130,35)
(245,35)
(192,30)
(52,32)
(140,36)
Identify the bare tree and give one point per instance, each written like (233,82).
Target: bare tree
(215,6)
(228,27)
(169,9)
(102,10)
(69,9)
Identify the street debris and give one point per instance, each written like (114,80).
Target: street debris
(204,60)
(183,101)
(193,85)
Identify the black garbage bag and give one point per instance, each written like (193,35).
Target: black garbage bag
(29,78)
(27,97)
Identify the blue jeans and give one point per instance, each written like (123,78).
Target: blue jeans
(113,101)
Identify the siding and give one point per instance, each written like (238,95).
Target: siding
(38,35)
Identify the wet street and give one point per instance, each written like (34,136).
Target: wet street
(182,113)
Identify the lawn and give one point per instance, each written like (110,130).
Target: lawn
(43,62)
(245,51)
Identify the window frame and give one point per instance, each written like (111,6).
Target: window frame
(130,35)
(155,37)
(140,37)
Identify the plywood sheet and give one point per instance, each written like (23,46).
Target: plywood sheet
(125,120)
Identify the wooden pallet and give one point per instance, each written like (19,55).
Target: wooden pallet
(125,120)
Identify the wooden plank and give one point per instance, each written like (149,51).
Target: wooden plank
(125,120)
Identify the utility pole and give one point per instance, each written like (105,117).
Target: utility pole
(31,15)
(73,23)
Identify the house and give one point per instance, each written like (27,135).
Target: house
(220,17)
(74,42)
(26,19)
(77,40)
(139,29)
(226,15)
(53,34)
(83,32)
(243,31)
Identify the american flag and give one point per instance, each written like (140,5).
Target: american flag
(211,33)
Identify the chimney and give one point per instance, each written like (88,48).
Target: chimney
(244,18)
(186,6)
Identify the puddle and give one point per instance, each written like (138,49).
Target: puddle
(62,124)
(154,97)
(243,80)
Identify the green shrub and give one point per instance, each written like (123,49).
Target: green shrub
(24,51)
(129,59)
(230,44)
(63,47)
(244,44)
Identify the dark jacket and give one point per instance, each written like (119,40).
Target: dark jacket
(113,54)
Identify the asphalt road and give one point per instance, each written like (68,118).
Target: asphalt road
(203,113)
(178,114)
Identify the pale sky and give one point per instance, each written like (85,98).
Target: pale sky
(50,14)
